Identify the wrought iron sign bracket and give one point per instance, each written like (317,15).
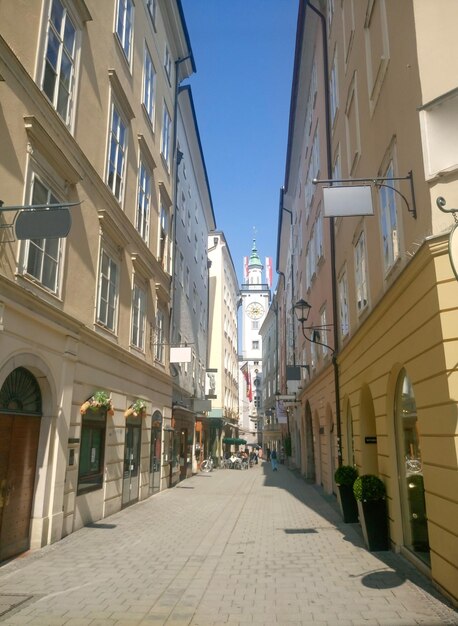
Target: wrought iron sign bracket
(379,182)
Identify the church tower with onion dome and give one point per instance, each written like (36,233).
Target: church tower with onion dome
(255,296)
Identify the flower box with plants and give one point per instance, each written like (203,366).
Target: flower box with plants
(370,494)
(100,400)
(137,409)
(345,476)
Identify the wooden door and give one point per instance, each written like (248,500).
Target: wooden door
(18,457)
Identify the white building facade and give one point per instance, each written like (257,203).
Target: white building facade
(255,302)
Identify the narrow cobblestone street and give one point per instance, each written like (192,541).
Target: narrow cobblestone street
(229,547)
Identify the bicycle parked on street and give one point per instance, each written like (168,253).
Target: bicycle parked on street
(207,465)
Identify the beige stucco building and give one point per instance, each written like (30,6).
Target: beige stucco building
(381,287)
(88,94)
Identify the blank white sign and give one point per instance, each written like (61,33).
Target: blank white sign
(346,201)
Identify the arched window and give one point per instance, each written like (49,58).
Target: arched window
(412,493)
(20,393)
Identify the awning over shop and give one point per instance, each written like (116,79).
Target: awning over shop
(234,440)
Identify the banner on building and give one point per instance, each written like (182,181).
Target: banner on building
(245,269)
(282,416)
(247,377)
(269,271)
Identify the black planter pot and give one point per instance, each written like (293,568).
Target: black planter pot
(348,504)
(373,517)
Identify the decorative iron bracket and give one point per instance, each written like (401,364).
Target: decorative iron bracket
(441,205)
(379,182)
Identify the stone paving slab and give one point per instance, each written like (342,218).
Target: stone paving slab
(236,548)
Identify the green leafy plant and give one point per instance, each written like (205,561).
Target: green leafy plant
(100,400)
(369,488)
(139,406)
(346,475)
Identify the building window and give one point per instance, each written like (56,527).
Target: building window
(124,23)
(151,7)
(319,237)
(165,137)
(144,201)
(343,303)
(116,154)
(43,256)
(255,325)
(59,68)
(90,469)
(164,252)
(361,273)
(389,222)
(323,333)
(255,345)
(138,317)
(333,89)
(149,82)
(168,64)
(108,292)
(160,336)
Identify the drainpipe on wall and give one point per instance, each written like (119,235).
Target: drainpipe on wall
(331,226)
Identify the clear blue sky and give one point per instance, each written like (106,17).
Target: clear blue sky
(244,52)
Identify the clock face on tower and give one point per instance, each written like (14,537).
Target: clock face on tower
(255,310)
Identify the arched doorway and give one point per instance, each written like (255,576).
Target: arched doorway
(20,420)
(310,473)
(155,455)
(317,444)
(350,447)
(131,470)
(368,436)
(410,472)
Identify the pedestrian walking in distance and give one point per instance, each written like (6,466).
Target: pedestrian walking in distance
(273,460)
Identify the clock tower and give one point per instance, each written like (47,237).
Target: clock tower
(255,304)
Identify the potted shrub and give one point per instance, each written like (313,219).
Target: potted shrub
(370,495)
(345,476)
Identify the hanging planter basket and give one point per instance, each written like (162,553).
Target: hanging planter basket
(100,400)
(137,409)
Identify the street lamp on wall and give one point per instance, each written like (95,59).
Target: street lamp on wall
(302,309)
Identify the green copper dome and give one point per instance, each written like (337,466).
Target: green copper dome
(255,261)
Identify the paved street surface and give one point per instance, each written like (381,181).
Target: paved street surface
(229,547)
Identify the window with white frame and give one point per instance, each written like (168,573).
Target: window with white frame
(151,7)
(164,240)
(149,84)
(107,302)
(389,222)
(333,89)
(330,12)
(343,303)
(160,336)
(165,136)
(58,81)
(138,317)
(42,257)
(323,331)
(168,63)
(124,26)
(143,201)
(319,250)
(361,273)
(116,154)
(180,268)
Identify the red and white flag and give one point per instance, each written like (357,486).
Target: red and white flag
(269,271)
(246,376)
